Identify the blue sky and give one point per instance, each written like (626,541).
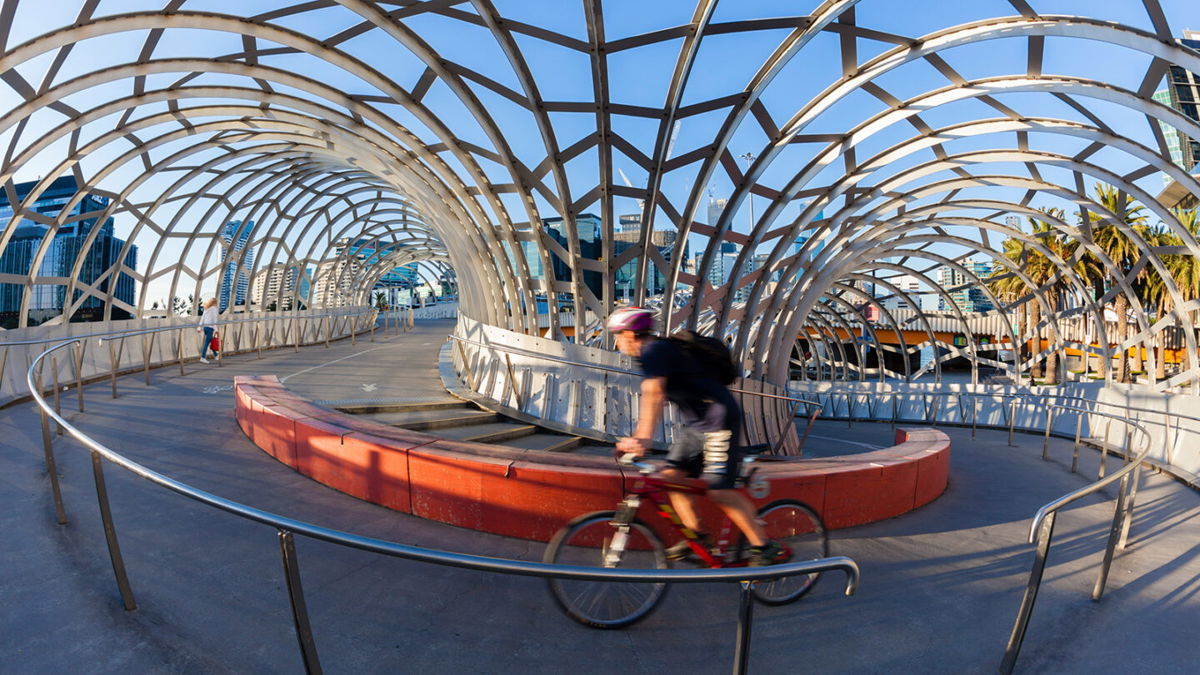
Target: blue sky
(638,77)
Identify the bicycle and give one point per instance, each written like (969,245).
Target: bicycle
(620,539)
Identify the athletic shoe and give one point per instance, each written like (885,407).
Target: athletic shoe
(771,554)
(682,551)
(203,360)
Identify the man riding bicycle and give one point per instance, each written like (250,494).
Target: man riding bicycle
(705,447)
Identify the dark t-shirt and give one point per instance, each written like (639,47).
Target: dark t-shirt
(688,385)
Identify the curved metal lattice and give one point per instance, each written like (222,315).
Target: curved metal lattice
(846,175)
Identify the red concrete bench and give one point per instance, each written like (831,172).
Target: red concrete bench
(530,494)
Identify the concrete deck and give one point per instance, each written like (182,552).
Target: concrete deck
(939,592)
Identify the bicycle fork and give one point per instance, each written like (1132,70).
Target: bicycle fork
(622,523)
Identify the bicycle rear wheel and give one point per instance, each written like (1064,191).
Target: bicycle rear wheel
(799,528)
(587,542)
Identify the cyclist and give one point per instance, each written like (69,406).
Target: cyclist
(705,446)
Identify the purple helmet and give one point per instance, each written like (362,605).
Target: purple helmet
(636,319)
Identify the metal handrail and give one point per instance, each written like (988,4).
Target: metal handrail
(1019,394)
(1041,531)
(611,369)
(136,331)
(288,527)
(816,406)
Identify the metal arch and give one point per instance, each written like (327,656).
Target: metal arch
(1113,178)
(1114,141)
(748,248)
(273,172)
(288,37)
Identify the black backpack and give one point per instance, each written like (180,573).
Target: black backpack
(709,356)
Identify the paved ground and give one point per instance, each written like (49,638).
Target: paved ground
(939,592)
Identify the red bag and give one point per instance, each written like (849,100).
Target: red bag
(215,343)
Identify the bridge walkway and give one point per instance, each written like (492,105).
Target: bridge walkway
(940,585)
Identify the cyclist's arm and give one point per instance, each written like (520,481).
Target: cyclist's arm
(654,397)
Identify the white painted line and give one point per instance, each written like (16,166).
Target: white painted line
(327,363)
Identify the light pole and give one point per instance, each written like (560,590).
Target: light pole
(749,157)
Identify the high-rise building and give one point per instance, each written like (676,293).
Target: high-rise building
(587,226)
(1183,94)
(721,268)
(910,286)
(656,281)
(103,254)
(275,287)
(1174,137)
(715,207)
(964,291)
(237,257)
(336,277)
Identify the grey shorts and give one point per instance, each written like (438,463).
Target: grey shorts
(712,456)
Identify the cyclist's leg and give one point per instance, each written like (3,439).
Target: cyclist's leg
(722,461)
(685,459)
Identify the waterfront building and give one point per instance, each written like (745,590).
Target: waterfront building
(48,300)
(237,257)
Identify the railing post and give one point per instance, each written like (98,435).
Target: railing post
(112,374)
(375,320)
(1031,591)
(146,349)
(812,419)
(1104,448)
(60,512)
(462,354)
(1127,517)
(974,414)
(933,412)
(1114,535)
(1046,438)
(57,402)
(179,351)
(258,337)
(1012,420)
(79,372)
(325,320)
(291,571)
(353,330)
(741,652)
(110,534)
(295,335)
(1078,431)
(1168,449)
(512,382)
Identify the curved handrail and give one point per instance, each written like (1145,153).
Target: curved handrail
(1041,529)
(611,369)
(1075,495)
(178,326)
(288,526)
(814,406)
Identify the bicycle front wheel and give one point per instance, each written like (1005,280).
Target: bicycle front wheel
(588,542)
(799,528)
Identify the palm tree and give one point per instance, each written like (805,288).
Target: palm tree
(1124,254)
(1043,273)
(1184,270)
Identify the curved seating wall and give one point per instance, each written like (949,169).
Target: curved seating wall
(530,494)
